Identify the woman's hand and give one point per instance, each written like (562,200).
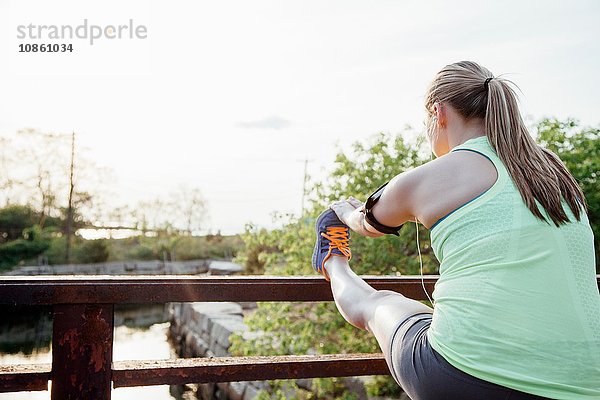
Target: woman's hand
(350,212)
(343,209)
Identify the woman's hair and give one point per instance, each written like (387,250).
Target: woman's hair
(537,172)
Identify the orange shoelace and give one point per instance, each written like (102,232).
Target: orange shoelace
(338,238)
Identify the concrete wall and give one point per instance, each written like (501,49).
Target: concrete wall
(192,267)
(203,330)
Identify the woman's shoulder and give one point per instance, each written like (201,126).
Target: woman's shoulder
(434,189)
(450,181)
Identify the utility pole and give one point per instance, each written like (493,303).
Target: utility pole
(70,206)
(305,180)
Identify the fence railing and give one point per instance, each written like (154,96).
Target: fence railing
(82,338)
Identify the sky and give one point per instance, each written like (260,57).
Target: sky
(232,96)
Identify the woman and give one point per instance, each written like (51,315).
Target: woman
(517,308)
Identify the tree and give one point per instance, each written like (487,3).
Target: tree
(7,182)
(183,210)
(156,215)
(38,168)
(69,224)
(44,170)
(579,148)
(190,208)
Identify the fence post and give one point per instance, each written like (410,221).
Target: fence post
(82,342)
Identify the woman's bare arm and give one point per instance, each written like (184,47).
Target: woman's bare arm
(395,204)
(425,193)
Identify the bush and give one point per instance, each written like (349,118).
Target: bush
(30,246)
(91,251)
(14,219)
(176,247)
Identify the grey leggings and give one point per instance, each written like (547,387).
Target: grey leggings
(425,375)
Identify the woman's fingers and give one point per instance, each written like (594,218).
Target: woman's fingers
(355,202)
(337,204)
(342,209)
(345,211)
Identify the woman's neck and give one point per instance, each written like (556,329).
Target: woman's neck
(463,132)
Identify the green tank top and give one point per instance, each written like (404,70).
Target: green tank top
(517,302)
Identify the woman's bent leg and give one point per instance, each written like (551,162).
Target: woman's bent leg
(378,311)
(422,373)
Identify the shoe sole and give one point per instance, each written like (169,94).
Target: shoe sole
(315,254)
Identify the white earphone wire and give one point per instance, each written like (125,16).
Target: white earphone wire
(421,264)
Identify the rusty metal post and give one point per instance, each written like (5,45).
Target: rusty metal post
(82,342)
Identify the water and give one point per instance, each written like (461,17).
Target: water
(140,334)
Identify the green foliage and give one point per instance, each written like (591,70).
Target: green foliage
(259,248)
(16,218)
(56,252)
(382,386)
(32,244)
(359,174)
(53,247)
(180,248)
(91,251)
(84,251)
(579,148)
(175,247)
(369,166)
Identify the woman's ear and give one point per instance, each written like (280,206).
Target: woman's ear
(440,112)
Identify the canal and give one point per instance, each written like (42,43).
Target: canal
(141,333)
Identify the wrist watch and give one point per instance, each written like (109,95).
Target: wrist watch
(370,218)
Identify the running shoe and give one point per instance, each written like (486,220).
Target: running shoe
(333,237)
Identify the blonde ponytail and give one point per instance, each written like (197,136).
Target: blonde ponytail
(537,172)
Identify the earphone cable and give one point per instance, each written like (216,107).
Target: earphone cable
(421,264)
